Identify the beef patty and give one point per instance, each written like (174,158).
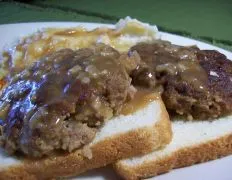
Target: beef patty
(195,83)
(61,101)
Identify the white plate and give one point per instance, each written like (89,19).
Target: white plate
(213,170)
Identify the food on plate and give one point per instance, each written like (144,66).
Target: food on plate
(74,99)
(193,82)
(193,142)
(78,108)
(123,136)
(126,33)
(62,100)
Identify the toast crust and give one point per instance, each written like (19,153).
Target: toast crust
(184,157)
(132,143)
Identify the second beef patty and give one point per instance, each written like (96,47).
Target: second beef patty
(195,83)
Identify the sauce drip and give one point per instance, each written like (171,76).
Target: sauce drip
(141,99)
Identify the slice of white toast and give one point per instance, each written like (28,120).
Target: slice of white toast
(124,136)
(193,142)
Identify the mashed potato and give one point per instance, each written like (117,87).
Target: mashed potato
(126,33)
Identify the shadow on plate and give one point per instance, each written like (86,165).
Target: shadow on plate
(99,174)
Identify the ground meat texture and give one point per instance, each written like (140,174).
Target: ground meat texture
(61,101)
(195,83)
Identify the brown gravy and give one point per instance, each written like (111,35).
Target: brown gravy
(64,93)
(84,32)
(167,59)
(140,100)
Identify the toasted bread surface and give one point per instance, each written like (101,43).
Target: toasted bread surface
(104,151)
(182,156)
